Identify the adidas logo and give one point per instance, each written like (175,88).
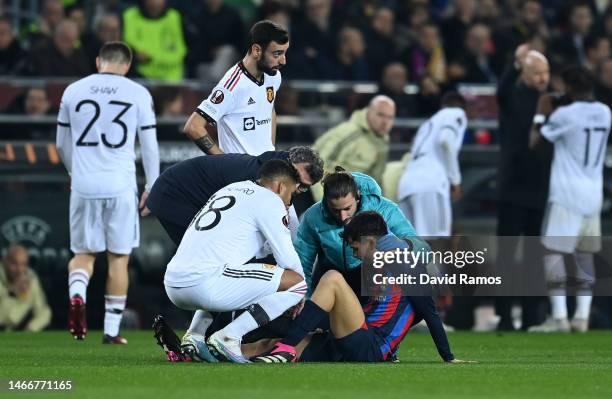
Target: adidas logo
(251,101)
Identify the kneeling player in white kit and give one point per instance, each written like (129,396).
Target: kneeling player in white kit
(209,274)
(425,186)
(572,224)
(98,120)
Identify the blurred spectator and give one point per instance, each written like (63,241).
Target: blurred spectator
(219,40)
(107,28)
(523,174)
(393,84)
(603,87)
(529,22)
(427,55)
(349,63)
(475,64)
(313,39)
(456,26)
(23,305)
(11,52)
(360,144)
(407,33)
(429,96)
(605,23)
(168,101)
(60,57)
(488,13)
(52,13)
(569,48)
(359,13)
(155,32)
(276,11)
(103,7)
(77,15)
(597,49)
(381,46)
(36,102)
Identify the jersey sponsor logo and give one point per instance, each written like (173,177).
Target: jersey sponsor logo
(270,94)
(217,97)
(249,123)
(251,101)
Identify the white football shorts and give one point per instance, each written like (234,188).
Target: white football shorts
(566,231)
(228,288)
(104,224)
(430,213)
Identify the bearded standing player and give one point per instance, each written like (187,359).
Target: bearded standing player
(241,105)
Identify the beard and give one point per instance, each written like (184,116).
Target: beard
(264,67)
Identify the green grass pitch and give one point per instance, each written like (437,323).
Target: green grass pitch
(510,366)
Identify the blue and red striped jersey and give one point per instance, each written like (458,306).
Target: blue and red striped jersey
(389,317)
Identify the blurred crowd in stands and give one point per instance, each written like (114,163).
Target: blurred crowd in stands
(434,44)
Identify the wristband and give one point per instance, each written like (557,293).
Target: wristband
(539,119)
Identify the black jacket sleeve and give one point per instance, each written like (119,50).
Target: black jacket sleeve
(425,308)
(506,83)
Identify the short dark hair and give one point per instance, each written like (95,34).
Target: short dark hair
(453,99)
(339,184)
(364,224)
(116,53)
(279,169)
(266,31)
(577,80)
(310,157)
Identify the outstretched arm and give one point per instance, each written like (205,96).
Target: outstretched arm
(426,308)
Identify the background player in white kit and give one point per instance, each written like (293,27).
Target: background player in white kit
(98,120)
(433,172)
(241,106)
(579,132)
(208,272)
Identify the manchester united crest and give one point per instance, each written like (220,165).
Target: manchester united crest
(270,94)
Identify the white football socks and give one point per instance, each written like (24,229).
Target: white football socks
(114,306)
(202,319)
(78,280)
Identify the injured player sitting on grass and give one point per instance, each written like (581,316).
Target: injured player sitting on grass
(371,333)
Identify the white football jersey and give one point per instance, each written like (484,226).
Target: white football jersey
(435,149)
(579,132)
(242,109)
(103,112)
(231,229)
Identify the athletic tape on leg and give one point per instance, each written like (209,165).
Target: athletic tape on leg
(259,314)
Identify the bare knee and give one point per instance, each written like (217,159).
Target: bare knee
(289,279)
(331,277)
